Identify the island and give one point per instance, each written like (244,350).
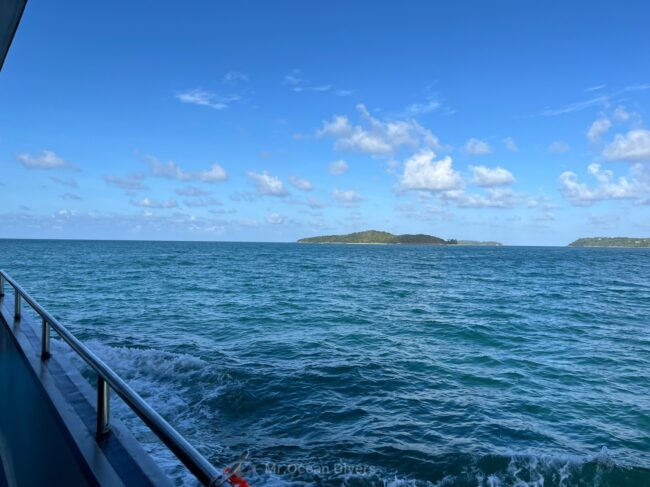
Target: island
(626,242)
(377,237)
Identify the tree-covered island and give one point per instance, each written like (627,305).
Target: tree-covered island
(377,237)
(612,242)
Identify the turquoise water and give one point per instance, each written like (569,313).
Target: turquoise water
(371,365)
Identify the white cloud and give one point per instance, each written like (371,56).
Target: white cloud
(292,78)
(621,115)
(171,170)
(476,147)
(235,77)
(545,216)
(347,197)
(148,203)
(574,107)
(485,176)
(46,160)
(493,198)
(314,203)
(602,99)
(274,218)
(422,172)
(338,167)
(541,201)
(300,183)
(598,129)
(510,144)
(267,184)
(558,147)
(633,146)
(191,191)
(297,84)
(199,96)
(316,88)
(201,202)
(215,173)
(129,183)
(430,105)
(374,137)
(172,224)
(608,187)
(594,88)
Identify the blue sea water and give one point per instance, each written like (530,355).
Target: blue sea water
(370,365)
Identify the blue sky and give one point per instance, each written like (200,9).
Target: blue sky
(521,122)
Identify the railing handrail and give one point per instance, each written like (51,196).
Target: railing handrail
(202,469)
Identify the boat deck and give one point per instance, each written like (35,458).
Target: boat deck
(48,420)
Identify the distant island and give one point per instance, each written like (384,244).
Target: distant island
(612,242)
(376,237)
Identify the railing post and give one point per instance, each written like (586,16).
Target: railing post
(103,405)
(2,285)
(45,339)
(16,304)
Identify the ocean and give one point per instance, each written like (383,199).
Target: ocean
(370,365)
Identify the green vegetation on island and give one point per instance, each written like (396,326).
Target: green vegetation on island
(612,242)
(376,237)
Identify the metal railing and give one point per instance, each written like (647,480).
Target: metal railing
(203,470)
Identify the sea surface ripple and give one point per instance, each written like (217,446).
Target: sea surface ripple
(370,365)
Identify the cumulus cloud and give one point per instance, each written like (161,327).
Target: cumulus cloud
(164,224)
(191,191)
(375,137)
(215,173)
(423,172)
(633,146)
(47,159)
(201,97)
(338,167)
(128,183)
(607,187)
(314,203)
(558,147)
(171,170)
(347,197)
(267,184)
(621,114)
(597,129)
(485,176)
(544,216)
(274,218)
(493,198)
(300,183)
(476,147)
(200,202)
(149,203)
(510,144)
